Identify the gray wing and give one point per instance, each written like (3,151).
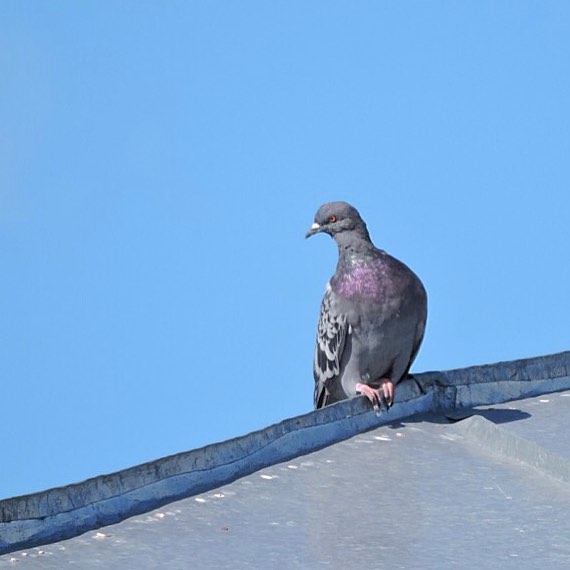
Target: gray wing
(419,334)
(331,336)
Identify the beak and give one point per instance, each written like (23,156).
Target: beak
(315,229)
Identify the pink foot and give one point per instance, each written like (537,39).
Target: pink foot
(384,394)
(388,390)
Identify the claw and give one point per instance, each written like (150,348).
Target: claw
(388,390)
(379,397)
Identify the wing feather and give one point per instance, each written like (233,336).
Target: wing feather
(331,337)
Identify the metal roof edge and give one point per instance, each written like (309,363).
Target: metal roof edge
(61,513)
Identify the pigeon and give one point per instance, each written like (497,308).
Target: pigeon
(372,319)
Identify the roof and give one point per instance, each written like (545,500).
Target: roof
(415,492)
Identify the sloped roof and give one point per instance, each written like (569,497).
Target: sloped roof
(418,492)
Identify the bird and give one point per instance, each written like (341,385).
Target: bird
(372,317)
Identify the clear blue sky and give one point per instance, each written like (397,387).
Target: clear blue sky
(160,163)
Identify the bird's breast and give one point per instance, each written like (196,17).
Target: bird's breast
(361,281)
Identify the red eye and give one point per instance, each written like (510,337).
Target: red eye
(332,219)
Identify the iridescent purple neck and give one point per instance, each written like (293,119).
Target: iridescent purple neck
(358,278)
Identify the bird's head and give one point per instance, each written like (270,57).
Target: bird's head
(334,218)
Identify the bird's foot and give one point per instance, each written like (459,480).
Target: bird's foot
(387,387)
(381,396)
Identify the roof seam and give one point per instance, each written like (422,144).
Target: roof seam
(502,443)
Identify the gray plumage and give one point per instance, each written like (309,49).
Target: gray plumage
(373,314)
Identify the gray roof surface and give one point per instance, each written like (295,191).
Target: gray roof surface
(422,493)
(419,492)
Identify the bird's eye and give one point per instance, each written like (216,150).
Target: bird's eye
(332,219)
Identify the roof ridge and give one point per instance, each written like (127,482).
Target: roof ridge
(63,512)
